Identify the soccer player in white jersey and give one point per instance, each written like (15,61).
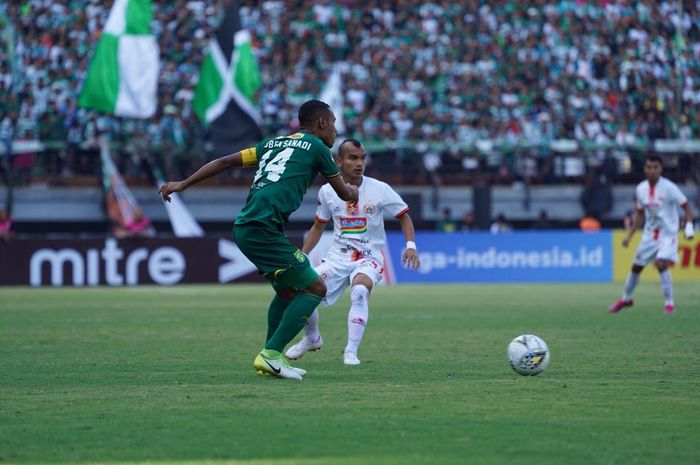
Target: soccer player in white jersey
(355,257)
(658,201)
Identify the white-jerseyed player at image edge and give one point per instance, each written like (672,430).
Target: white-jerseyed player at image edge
(355,257)
(657,201)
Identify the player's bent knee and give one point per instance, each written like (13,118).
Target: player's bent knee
(318,288)
(287,294)
(359,310)
(637,268)
(362,280)
(359,293)
(661,265)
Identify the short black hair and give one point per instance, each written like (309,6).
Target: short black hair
(655,158)
(356,143)
(311,110)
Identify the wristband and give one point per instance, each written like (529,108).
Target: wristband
(689,230)
(410,245)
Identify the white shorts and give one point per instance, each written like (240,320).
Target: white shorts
(649,249)
(339,269)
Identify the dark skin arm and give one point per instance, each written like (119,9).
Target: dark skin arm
(636,222)
(212,168)
(346,192)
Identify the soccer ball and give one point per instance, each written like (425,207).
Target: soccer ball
(528,355)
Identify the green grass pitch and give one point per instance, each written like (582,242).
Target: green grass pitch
(164,376)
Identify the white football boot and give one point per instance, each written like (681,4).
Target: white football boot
(350,358)
(300,348)
(276,367)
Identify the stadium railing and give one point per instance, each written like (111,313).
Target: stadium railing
(37,158)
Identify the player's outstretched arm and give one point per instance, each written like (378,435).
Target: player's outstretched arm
(346,192)
(313,236)
(410,255)
(212,168)
(636,222)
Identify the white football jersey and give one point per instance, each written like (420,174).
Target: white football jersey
(661,206)
(360,225)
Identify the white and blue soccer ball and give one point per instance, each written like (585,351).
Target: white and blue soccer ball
(528,355)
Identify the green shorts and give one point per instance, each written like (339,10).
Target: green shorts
(280,261)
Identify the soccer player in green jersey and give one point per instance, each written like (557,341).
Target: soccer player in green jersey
(287,166)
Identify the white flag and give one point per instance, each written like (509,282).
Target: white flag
(332,94)
(182,221)
(123,75)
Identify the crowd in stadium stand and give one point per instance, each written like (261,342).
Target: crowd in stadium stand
(449,72)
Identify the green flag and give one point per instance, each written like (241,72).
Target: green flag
(123,75)
(225,96)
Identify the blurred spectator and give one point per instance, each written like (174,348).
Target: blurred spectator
(624,137)
(463,71)
(542,221)
(7,133)
(446,223)
(596,197)
(500,225)
(469,222)
(589,224)
(5,226)
(431,164)
(139,226)
(7,129)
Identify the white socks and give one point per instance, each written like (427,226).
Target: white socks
(311,327)
(667,287)
(357,317)
(630,284)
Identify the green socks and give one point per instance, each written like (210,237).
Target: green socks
(293,320)
(272,354)
(275,313)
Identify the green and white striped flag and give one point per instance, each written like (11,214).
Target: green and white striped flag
(123,75)
(225,96)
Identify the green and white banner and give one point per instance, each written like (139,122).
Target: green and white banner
(225,97)
(123,75)
(221,81)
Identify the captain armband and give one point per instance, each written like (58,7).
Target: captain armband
(249,156)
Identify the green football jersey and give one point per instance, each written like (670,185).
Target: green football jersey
(287,166)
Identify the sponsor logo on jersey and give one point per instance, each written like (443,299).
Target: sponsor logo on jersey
(299,255)
(353,225)
(653,207)
(297,135)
